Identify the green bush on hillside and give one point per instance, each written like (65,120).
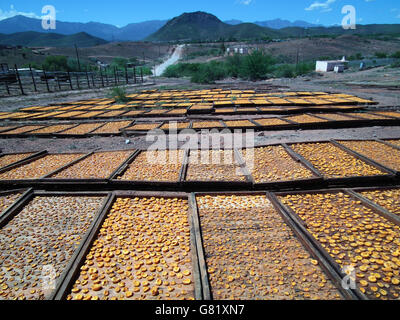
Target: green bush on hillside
(396,55)
(256,66)
(56,63)
(209,73)
(381,55)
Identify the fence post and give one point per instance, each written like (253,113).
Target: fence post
(141,74)
(87,78)
(77,81)
(33,78)
(70,81)
(115,76)
(58,82)
(7,87)
(101,75)
(107,76)
(45,78)
(19,80)
(134,73)
(91,75)
(126,75)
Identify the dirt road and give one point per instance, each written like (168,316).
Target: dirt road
(159,70)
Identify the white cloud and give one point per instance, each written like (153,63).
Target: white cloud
(245,2)
(12,12)
(395,11)
(323,6)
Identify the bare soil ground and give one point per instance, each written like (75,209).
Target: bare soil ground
(308,49)
(261,139)
(105,53)
(313,48)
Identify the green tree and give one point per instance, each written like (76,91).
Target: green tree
(119,63)
(234,65)
(56,63)
(223,48)
(257,65)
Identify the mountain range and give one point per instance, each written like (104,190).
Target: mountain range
(195,26)
(207,27)
(277,23)
(39,39)
(131,32)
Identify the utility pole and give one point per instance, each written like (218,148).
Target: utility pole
(77,57)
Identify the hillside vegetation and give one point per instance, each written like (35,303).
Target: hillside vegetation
(256,66)
(37,39)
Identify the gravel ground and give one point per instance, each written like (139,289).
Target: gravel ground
(261,138)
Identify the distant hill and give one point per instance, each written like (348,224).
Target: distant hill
(204,26)
(277,23)
(139,31)
(131,32)
(37,39)
(233,22)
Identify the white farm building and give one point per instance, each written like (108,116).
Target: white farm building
(329,66)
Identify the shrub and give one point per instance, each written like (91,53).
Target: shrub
(292,70)
(359,56)
(284,71)
(146,71)
(56,63)
(381,55)
(257,65)
(119,63)
(181,70)
(209,73)
(213,52)
(234,65)
(34,66)
(304,68)
(396,55)
(395,64)
(119,94)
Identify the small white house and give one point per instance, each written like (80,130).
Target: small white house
(329,66)
(238,50)
(101,64)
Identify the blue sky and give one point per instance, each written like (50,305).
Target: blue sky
(122,12)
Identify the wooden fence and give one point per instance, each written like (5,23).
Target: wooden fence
(28,81)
